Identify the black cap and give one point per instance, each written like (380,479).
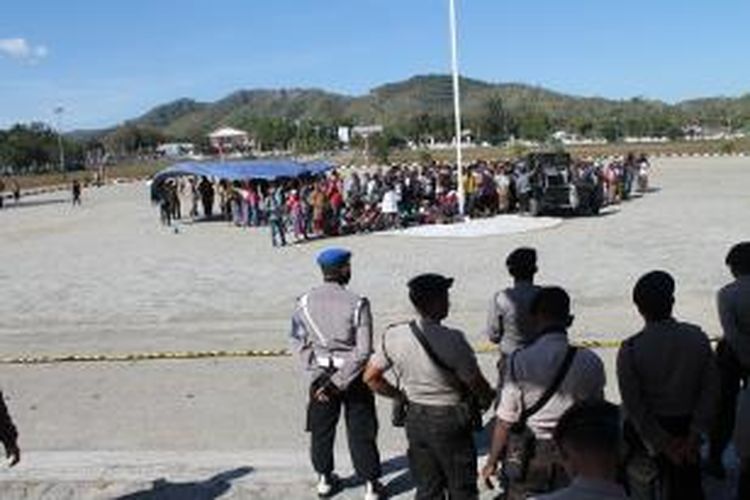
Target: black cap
(522,259)
(739,257)
(429,283)
(655,286)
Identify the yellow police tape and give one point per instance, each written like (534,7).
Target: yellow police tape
(481,348)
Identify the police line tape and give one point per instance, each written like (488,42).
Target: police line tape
(482,348)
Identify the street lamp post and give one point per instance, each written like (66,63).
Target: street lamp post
(457,106)
(59,112)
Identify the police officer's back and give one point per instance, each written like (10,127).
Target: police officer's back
(669,388)
(508,318)
(439,427)
(332,334)
(551,371)
(733,351)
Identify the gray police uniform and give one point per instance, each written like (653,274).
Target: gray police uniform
(442,455)
(732,356)
(669,387)
(509,322)
(530,371)
(332,335)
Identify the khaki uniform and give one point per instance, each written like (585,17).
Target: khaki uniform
(419,378)
(442,454)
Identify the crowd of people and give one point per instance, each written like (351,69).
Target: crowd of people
(553,436)
(297,210)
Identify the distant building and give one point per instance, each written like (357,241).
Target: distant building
(645,140)
(347,134)
(229,139)
(366,130)
(569,139)
(176,149)
(344,134)
(697,132)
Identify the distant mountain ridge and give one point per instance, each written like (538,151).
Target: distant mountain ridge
(395,103)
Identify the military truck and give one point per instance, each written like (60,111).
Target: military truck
(556,188)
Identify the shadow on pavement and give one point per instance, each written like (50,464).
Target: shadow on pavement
(209,489)
(32,203)
(400,484)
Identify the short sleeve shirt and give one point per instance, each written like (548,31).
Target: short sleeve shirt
(421,380)
(534,369)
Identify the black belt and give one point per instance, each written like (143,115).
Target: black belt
(432,409)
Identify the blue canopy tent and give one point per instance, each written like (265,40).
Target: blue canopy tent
(267,170)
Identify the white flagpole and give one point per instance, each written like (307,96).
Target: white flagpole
(457,106)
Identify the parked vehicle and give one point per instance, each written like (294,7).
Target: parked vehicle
(555,186)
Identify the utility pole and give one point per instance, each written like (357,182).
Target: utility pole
(59,110)
(457,106)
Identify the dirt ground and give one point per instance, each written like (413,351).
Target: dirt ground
(107,278)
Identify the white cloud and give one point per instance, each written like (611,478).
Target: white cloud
(20,49)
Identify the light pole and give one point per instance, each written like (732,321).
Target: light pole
(59,110)
(457,105)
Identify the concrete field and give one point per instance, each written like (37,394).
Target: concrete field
(107,278)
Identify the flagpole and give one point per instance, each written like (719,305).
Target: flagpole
(457,106)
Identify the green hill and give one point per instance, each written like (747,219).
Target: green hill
(424,104)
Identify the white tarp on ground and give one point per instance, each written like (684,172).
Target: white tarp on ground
(477,228)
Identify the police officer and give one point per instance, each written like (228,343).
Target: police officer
(439,427)
(669,387)
(733,351)
(332,334)
(554,373)
(508,317)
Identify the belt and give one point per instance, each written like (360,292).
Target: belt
(432,409)
(329,362)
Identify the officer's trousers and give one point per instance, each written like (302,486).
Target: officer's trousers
(545,473)
(442,455)
(361,430)
(731,374)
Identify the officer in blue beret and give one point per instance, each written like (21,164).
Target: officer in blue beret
(332,334)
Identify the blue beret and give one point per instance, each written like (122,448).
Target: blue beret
(333,257)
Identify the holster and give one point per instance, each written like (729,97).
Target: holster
(519,452)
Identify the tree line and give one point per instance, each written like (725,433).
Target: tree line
(34,147)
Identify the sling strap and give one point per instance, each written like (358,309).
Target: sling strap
(562,372)
(419,334)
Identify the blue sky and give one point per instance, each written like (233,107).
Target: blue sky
(108,60)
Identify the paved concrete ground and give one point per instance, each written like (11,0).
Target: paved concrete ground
(107,278)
